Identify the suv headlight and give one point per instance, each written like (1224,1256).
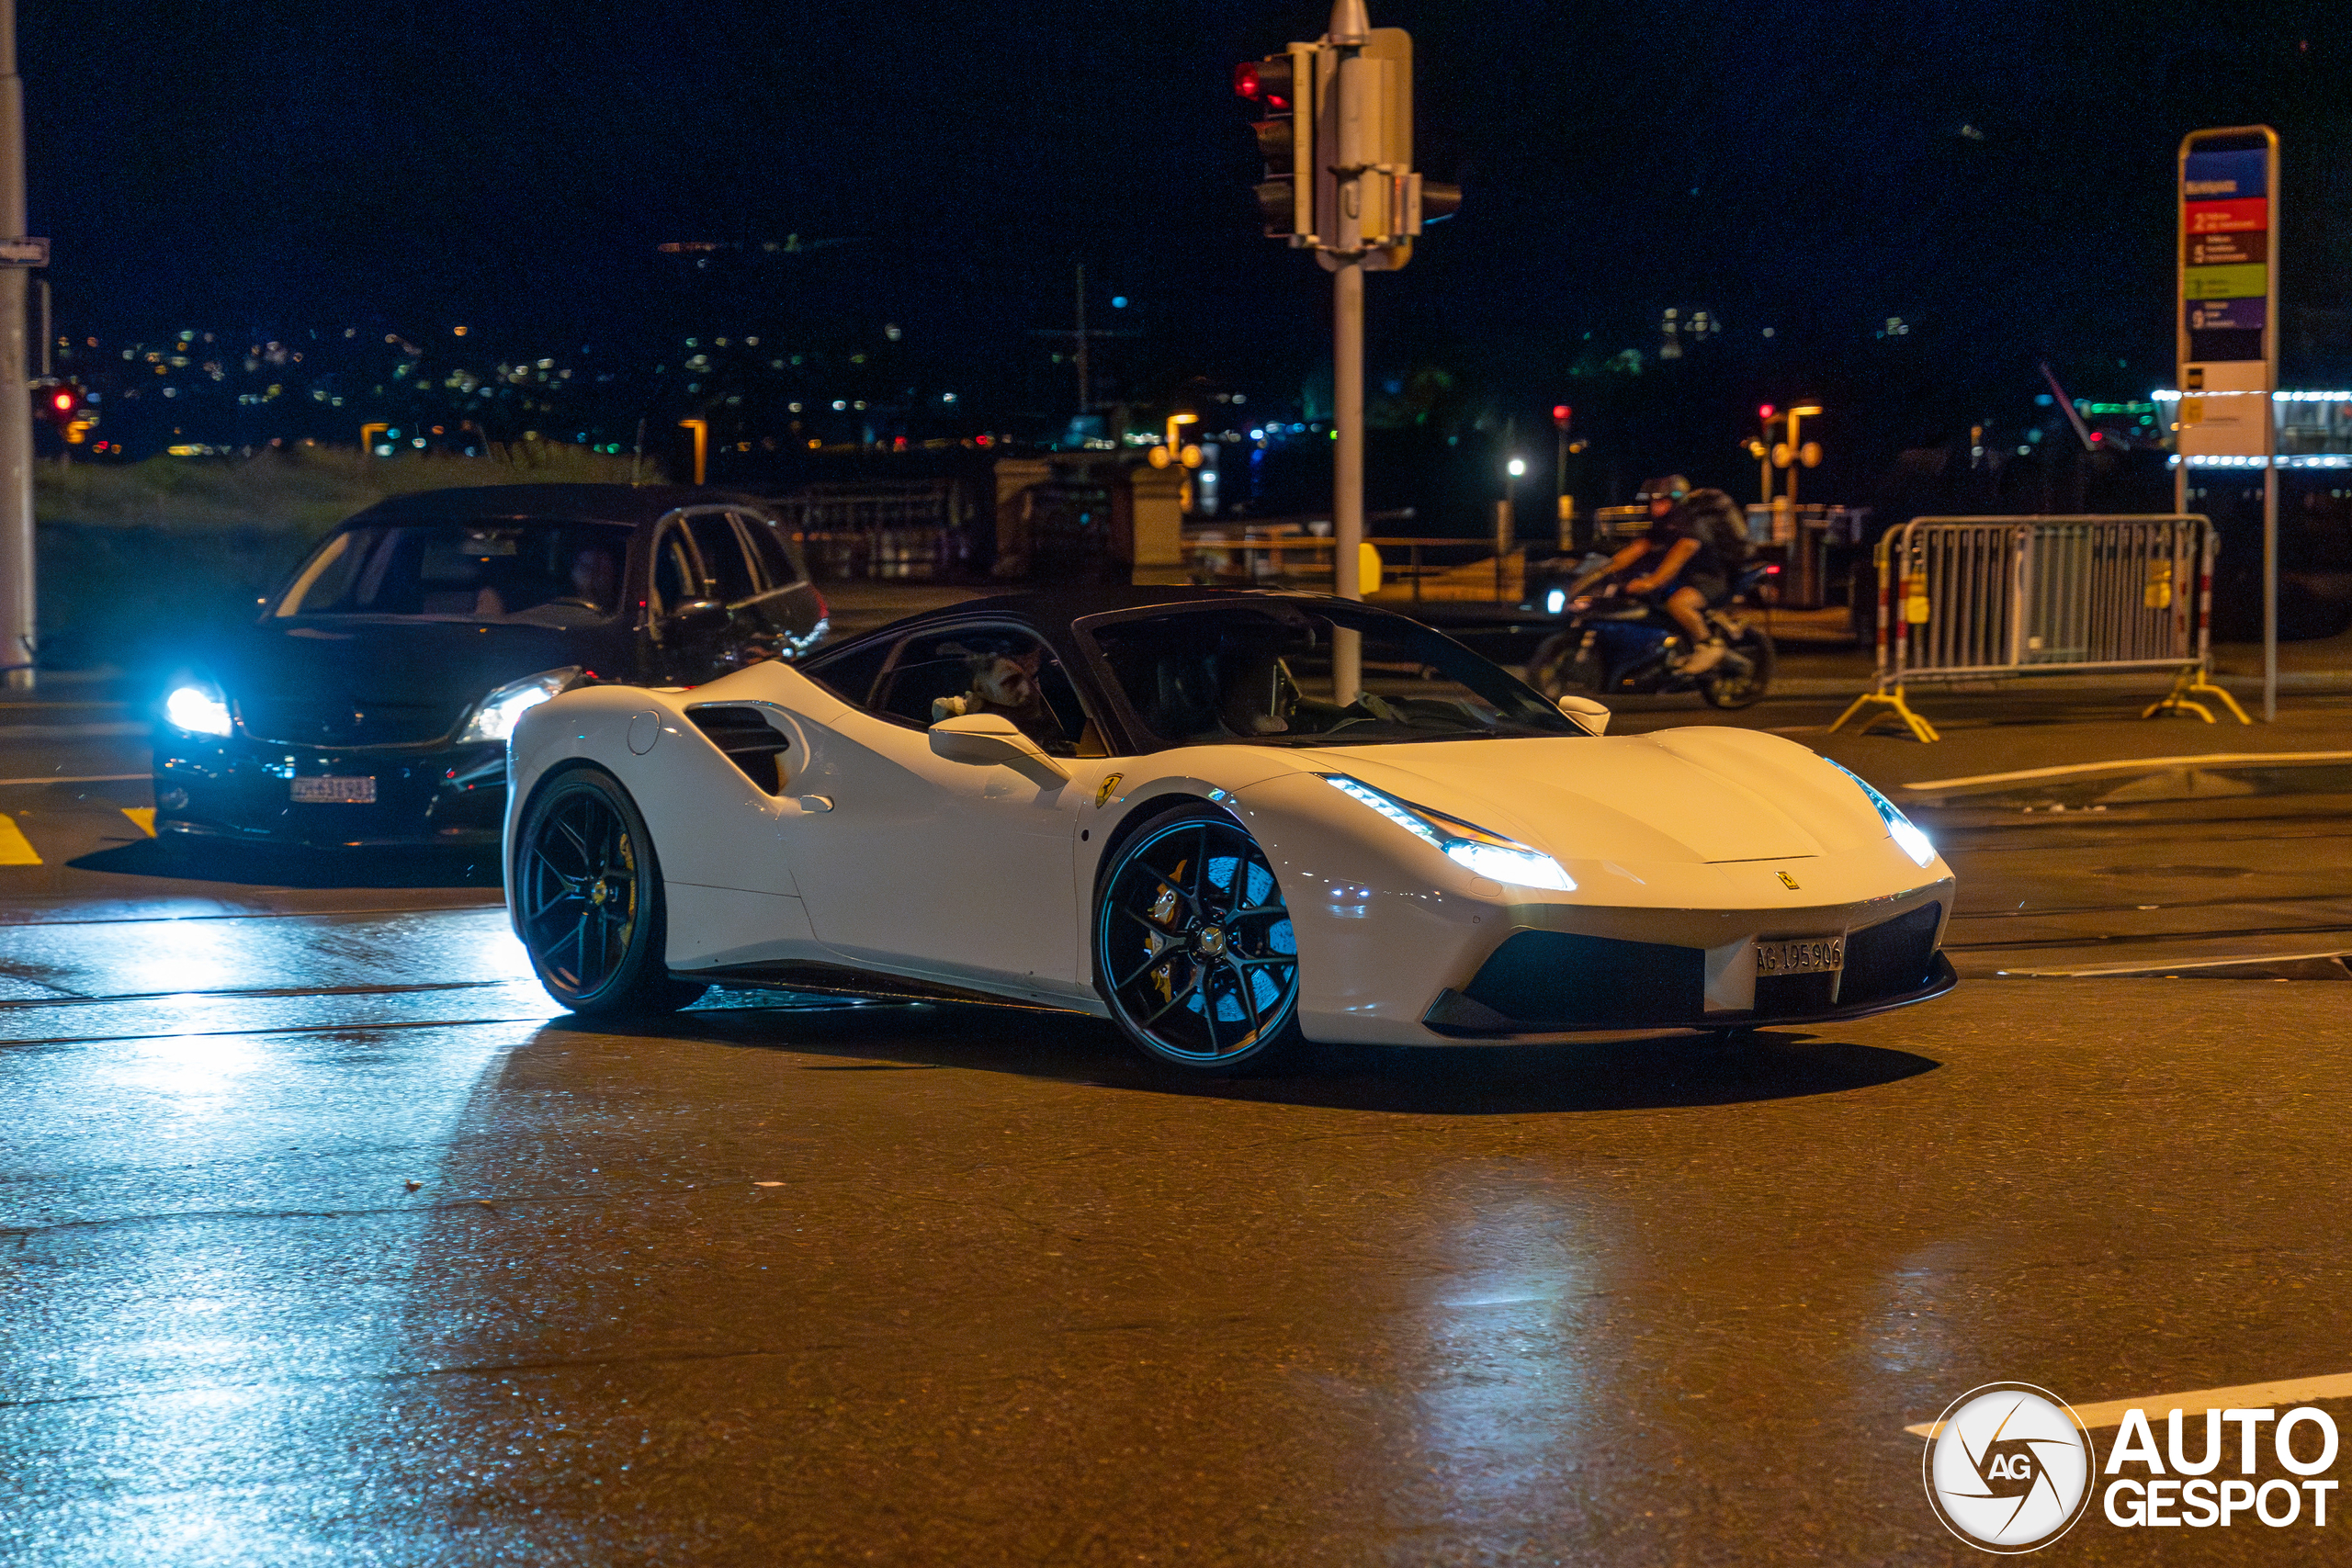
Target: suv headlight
(494,717)
(1898,826)
(1473,848)
(198,707)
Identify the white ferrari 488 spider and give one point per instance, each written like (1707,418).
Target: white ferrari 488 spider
(1153,806)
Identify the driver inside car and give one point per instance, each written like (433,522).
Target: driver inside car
(593,577)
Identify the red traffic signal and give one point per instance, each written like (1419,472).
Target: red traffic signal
(1766,410)
(65,401)
(1561,414)
(1265,82)
(1285,193)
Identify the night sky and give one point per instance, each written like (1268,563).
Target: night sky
(1997,174)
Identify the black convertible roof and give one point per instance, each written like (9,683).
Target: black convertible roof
(634,504)
(1050,612)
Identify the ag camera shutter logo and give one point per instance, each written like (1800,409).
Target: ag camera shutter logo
(2010,1468)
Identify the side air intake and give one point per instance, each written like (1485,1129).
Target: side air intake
(751,742)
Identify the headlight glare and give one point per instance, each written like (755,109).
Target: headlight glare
(494,717)
(1899,827)
(1520,867)
(1473,848)
(198,709)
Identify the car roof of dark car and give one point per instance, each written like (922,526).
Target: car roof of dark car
(630,504)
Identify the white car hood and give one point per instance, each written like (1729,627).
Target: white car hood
(1699,794)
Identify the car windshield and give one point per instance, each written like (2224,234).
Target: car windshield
(532,571)
(1261,675)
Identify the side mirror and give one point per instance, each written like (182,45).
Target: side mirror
(990,738)
(1588,716)
(698,615)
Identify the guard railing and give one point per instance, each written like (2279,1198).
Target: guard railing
(1987,598)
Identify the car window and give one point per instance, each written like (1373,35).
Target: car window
(1263,674)
(722,556)
(676,580)
(537,571)
(849,672)
(976,669)
(769,551)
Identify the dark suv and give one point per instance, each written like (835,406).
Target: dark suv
(371,701)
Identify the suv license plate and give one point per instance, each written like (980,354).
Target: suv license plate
(1801,956)
(331,791)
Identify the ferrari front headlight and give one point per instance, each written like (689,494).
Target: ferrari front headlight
(1473,848)
(1899,827)
(494,717)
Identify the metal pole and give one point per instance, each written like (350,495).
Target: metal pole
(1506,534)
(1347,467)
(19,630)
(1085,376)
(2270,570)
(1560,488)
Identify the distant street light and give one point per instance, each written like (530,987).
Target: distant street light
(1517,466)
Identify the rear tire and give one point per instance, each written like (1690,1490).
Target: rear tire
(1194,948)
(587,898)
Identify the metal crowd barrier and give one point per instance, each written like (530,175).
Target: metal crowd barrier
(1981,598)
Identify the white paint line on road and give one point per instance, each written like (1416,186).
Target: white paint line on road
(14,848)
(2135,764)
(72,732)
(77,778)
(2127,971)
(2243,1397)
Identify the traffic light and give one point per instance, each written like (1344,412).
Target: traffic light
(1282,87)
(65,403)
(1338,144)
(1561,414)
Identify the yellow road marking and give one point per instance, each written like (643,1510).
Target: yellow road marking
(144,816)
(14,848)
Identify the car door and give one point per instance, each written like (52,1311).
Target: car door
(961,872)
(734,583)
(789,607)
(688,629)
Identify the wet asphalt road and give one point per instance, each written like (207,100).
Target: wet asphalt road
(323,1240)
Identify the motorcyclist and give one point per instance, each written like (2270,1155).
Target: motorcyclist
(1679,570)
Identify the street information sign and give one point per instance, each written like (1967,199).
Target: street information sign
(2229,292)
(31,252)
(2225,320)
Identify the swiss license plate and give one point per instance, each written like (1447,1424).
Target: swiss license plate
(332,790)
(1801,956)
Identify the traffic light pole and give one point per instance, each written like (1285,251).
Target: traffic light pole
(16,605)
(1347,469)
(1337,144)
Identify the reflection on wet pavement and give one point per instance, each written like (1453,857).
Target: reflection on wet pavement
(442,1287)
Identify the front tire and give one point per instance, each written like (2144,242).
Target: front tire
(1193,947)
(1561,667)
(1723,689)
(588,899)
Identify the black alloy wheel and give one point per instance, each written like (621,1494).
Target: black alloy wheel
(1194,948)
(587,897)
(1723,688)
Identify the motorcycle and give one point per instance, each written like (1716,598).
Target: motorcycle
(1613,644)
